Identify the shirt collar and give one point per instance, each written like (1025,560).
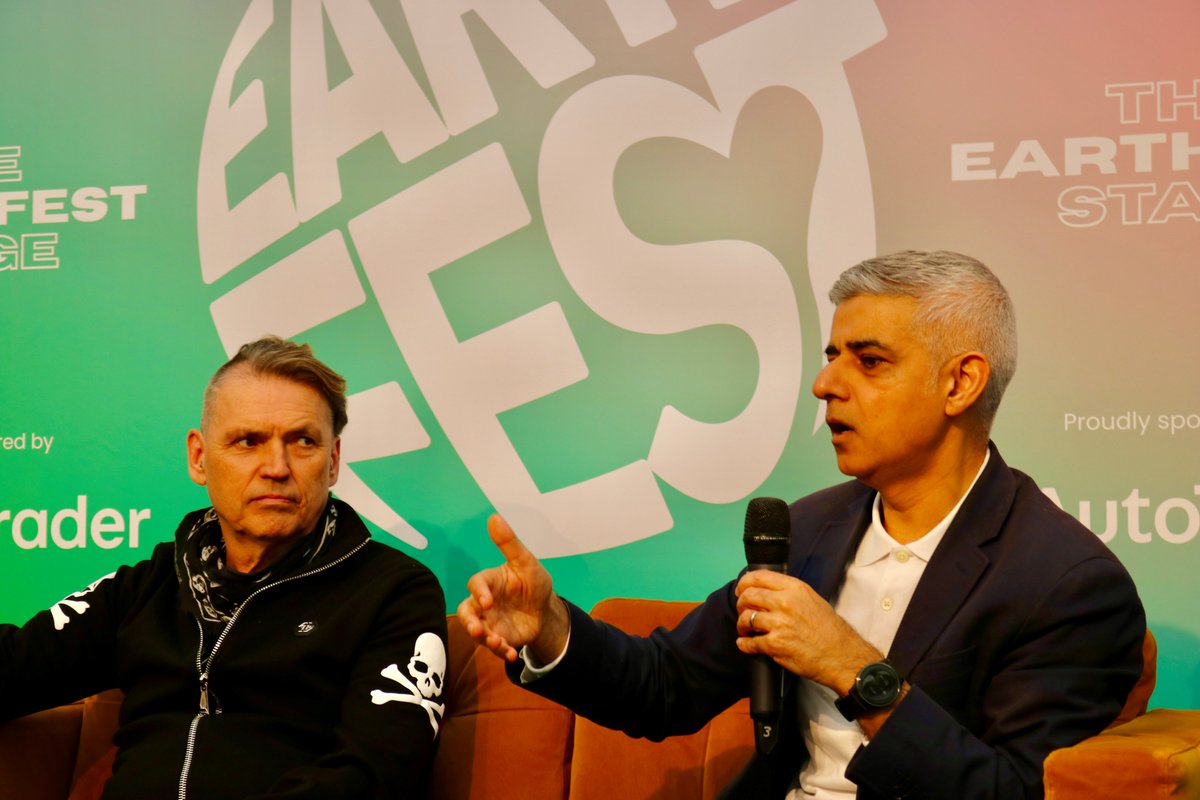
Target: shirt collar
(878,544)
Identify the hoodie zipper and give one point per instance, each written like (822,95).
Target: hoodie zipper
(203,669)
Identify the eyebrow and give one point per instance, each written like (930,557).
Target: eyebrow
(857,346)
(244,431)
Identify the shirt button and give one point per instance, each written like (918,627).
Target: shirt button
(903,556)
(887,604)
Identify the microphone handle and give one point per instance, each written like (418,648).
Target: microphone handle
(766,688)
(766,678)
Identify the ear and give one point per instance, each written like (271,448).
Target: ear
(195,453)
(335,460)
(968,375)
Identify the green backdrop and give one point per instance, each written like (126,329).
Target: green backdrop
(572,258)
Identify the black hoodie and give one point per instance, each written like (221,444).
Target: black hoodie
(325,684)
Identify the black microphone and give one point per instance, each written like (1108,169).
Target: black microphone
(767,540)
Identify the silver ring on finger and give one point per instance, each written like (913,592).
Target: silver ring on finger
(753,614)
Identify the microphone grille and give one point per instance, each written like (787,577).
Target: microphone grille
(767,537)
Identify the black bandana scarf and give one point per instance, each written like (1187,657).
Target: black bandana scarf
(219,591)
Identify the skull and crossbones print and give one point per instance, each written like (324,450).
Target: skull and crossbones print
(427,670)
(74,602)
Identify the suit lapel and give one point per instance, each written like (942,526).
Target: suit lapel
(823,565)
(956,566)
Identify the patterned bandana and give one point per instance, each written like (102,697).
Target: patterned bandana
(219,591)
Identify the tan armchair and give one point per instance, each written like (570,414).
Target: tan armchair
(1153,754)
(500,742)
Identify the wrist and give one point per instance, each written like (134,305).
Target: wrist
(554,633)
(854,660)
(876,688)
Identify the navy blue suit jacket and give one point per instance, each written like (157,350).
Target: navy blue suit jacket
(1024,635)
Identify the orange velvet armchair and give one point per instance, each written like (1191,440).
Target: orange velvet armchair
(1153,754)
(500,742)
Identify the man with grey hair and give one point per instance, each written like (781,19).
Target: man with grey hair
(943,626)
(272,650)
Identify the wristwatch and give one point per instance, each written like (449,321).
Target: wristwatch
(876,686)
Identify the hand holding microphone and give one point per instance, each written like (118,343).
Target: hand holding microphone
(767,541)
(785,626)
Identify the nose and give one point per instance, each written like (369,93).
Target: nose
(828,383)
(275,462)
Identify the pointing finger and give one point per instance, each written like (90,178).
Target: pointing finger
(507,542)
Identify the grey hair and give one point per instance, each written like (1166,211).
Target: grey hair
(961,306)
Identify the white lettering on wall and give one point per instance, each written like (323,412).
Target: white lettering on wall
(74,527)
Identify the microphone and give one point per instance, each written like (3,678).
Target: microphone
(767,540)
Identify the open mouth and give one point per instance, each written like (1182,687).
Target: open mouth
(836,427)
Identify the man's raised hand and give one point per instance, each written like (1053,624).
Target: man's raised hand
(513,605)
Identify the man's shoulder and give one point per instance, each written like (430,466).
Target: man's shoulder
(158,564)
(393,559)
(379,555)
(1021,526)
(1036,516)
(385,566)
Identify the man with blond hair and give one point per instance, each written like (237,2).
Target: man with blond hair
(272,650)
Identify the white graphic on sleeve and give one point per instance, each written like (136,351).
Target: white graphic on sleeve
(72,601)
(427,667)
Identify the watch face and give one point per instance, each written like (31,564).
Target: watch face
(878,684)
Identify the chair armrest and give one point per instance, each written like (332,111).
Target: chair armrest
(498,741)
(93,765)
(1155,755)
(37,753)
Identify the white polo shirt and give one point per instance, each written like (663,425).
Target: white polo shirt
(880,582)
